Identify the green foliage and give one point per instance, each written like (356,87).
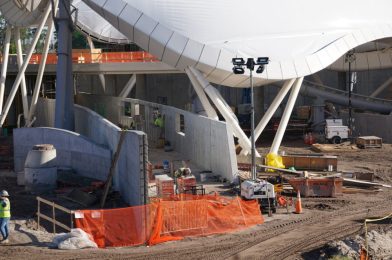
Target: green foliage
(79,40)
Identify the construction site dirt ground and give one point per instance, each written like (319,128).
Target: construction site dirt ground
(284,236)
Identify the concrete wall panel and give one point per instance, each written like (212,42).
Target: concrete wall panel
(73,150)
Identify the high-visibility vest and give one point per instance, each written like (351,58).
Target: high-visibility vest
(5,212)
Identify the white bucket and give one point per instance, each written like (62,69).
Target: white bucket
(203,177)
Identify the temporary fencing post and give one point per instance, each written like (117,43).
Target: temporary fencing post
(242,213)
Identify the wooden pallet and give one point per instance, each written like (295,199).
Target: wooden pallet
(369,142)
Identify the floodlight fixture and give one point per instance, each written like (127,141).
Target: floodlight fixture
(250,64)
(260,69)
(238,70)
(262,61)
(238,61)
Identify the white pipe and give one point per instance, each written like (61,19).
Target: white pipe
(210,111)
(221,105)
(24,66)
(6,51)
(101,75)
(381,88)
(286,116)
(273,107)
(23,89)
(128,87)
(41,71)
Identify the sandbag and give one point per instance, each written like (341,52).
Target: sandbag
(76,239)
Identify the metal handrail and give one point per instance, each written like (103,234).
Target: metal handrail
(53,218)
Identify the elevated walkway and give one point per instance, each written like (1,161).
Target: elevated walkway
(94,63)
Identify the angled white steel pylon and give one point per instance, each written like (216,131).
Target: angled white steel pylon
(210,111)
(100,75)
(23,88)
(41,70)
(128,87)
(6,50)
(22,70)
(382,87)
(273,107)
(221,105)
(286,116)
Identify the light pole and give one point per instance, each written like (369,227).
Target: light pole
(350,57)
(239,64)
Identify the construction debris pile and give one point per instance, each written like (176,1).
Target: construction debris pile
(379,246)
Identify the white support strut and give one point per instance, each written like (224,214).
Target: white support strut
(210,111)
(40,74)
(23,88)
(6,51)
(286,116)
(382,87)
(128,87)
(273,107)
(222,107)
(100,75)
(22,70)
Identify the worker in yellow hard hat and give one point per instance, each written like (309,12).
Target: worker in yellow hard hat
(5,215)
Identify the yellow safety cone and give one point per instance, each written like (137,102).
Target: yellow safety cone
(298,204)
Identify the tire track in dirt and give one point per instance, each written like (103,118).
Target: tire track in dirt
(317,236)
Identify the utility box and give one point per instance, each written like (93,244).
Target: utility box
(335,131)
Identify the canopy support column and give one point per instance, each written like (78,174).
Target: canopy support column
(23,89)
(6,51)
(273,107)
(128,87)
(24,66)
(210,111)
(286,116)
(222,106)
(40,74)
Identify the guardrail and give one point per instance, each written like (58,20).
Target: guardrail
(53,218)
(92,57)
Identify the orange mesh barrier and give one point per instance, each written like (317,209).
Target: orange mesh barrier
(166,220)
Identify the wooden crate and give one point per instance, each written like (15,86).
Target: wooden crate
(369,142)
(310,162)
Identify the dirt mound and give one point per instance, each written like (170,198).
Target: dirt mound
(379,244)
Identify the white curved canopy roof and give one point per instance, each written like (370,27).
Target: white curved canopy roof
(301,37)
(95,26)
(26,13)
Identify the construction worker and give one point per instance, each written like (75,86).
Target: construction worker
(5,215)
(183,171)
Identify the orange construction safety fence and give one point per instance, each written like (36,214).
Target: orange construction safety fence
(168,220)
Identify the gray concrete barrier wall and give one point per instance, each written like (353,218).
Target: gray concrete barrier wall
(366,124)
(129,177)
(207,143)
(73,150)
